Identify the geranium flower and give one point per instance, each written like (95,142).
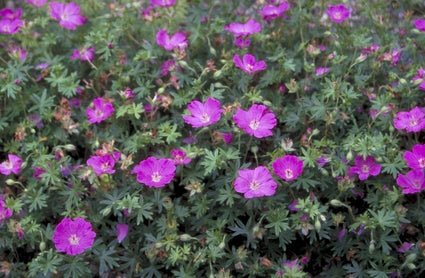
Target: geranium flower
(416,158)
(17,52)
(241,43)
(365,167)
(321,71)
(255,183)
(103,164)
(243,29)
(10,22)
(203,114)
(38,172)
(272,11)
(122,231)
(37,3)
(68,15)
(288,167)
(412,121)
(257,121)
(420,78)
(338,13)
(420,24)
(155,172)
(85,54)
(412,182)
(12,165)
(102,110)
(4,211)
(73,236)
(248,63)
(227,138)
(163,3)
(178,40)
(405,247)
(179,157)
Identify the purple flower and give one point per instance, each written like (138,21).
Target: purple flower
(17,52)
(155,172)
(167,66)
(178,40)
(243,29)
(102,164)
(10,22)
(248,63)
(4,211)
(73,236)
(85,54)
(38,172)
(227,138)
(365,168)
(292,265)
(288,167)
(179,157)
(405,247)
(68,15)
(321,71)
(416,158)
(203,114)
(255,183)
(371,49)
(338,13)
(412,121)
(241,43)
(272,11)
(412,182)
(420,24)
(293,206)
(35,120)
(341,234)
(420,78)
(122,231)
(163,3)
(101,111)
(12,165)
(37,3)
(322,161)
(257,121)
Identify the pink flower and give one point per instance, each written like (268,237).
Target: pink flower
(405,247)
(38,172)
(163,3)
(243,29)
(178,40)
(73,236)
(10,22)
(4,211)
(241,43)
(12,165)
(179,157)
(321,71)
(203,114)
(18,52)
(102,110)
(255,183)
(103,164)
(248,64)
(37,3)
(257,121)
(272,11)
(167,66)
(155,172)
(68,15)
(412,182)
(288,167)
(85,54)
(227,137)
(338,13)
(122,231)
(412,121)
(420,24)
(420,78)
(371,49)
(415,159)
(365,168)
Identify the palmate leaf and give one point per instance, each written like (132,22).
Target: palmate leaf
(46,262)
(106,260)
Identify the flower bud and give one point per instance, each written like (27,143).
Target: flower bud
(217,74)
(317,225)
(69,147)
(10,181)
(336,203)
(411,266)
(371,246)
(42,246)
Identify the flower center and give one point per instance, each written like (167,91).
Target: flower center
(156,177)
(337,15)
(421,162)
(205,118)
(416,184)
(178,158)
(105,166)
(413,122)
(64,16)
(99,113)
(254,185)
(74,240)
(365,169)
(249,67)
(289,173)
(7,164)
(254,124)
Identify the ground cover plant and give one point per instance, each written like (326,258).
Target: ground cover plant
(212,138)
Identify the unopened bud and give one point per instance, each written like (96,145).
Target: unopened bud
(217,74)
(349,156)
(371,246)
(42,246)
(411,266)
(10,181)
(317,224)
(336,203)
(69,147)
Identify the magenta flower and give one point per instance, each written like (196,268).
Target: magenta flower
(412,121)
(4,211)
(338,13)
(321,71)
(163,3)
(178,40)
(227,138)
(272,11)
(365,168)
(420,78)
(412,182)
(85,54)
(103,164)
(122,231)
(420,24)
(38,172)
(12,165)
(10,22)
(101,111)
(203,114)
(257,121)
(37,3)
(68,15)
(416,158)
(248,63)
(405,247)
(155,172)
(241,43)
(243,29)
(73,236)
(288,167)
(255,183)
(179,157)
(17,52)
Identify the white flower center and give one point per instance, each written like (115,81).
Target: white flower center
(337,15)
(413,122)
(289,173)
(7,164)
(74,240)
(254,124)
(105,166)
(421,162)
(205,118)
(99,113)
(156,177)
(365,169)
(254,185)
